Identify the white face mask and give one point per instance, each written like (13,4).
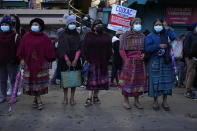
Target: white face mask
(71,27)
(137,27)
(35,28)
(158,28)
(5,28)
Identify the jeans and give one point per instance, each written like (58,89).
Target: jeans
(7,70)
(115,69)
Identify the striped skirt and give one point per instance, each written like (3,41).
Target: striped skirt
(38,86)
(98,78)
(133,77)
(161,77)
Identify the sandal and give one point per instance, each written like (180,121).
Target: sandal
(40,106)
(65,102)
(156,107)
(72,102)
(138,106)
(88,102)
(96,100)
(126,106)
(166,108)
(35,103)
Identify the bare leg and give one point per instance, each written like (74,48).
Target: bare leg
(126,102)
(96,99)
(89,100)
(72,98)
(165,104)
(96,93)
(137,103)
(65,96)
(155,104)
(40,104)
(35,102)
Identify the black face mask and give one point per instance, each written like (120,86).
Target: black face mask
(99,30)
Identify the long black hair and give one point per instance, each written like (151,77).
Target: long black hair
(160,20)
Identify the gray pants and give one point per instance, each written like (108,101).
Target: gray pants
(7,70)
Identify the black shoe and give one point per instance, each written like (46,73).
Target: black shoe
(88,102)
(166,108)
(156,108)
(190,95)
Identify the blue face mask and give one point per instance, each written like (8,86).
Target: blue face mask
(158,28)
(71,27)
(35,28)
(5,28)
(137,27)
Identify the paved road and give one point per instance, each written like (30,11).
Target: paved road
(109,116)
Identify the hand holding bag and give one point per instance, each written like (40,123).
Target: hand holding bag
(71,79)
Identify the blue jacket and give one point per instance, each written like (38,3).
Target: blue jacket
(153,40)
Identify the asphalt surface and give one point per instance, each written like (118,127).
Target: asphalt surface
(108,116)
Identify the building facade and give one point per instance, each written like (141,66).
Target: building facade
(178,13)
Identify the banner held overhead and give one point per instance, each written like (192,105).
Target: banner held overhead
(120,18)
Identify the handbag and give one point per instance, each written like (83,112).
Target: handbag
(71,79)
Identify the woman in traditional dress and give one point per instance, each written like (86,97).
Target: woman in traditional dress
(36,51)
(160,68)
(69,51)
(133,74)
(97,50)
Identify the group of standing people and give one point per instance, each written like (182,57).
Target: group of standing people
(144,63)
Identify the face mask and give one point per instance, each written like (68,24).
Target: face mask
(99,30)
(137,27)
(35,28)
(5,28)
(72,27)
(158,28)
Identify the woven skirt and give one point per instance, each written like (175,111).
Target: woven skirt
(98,78)
(38,85)
(161,77)
(133,77)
